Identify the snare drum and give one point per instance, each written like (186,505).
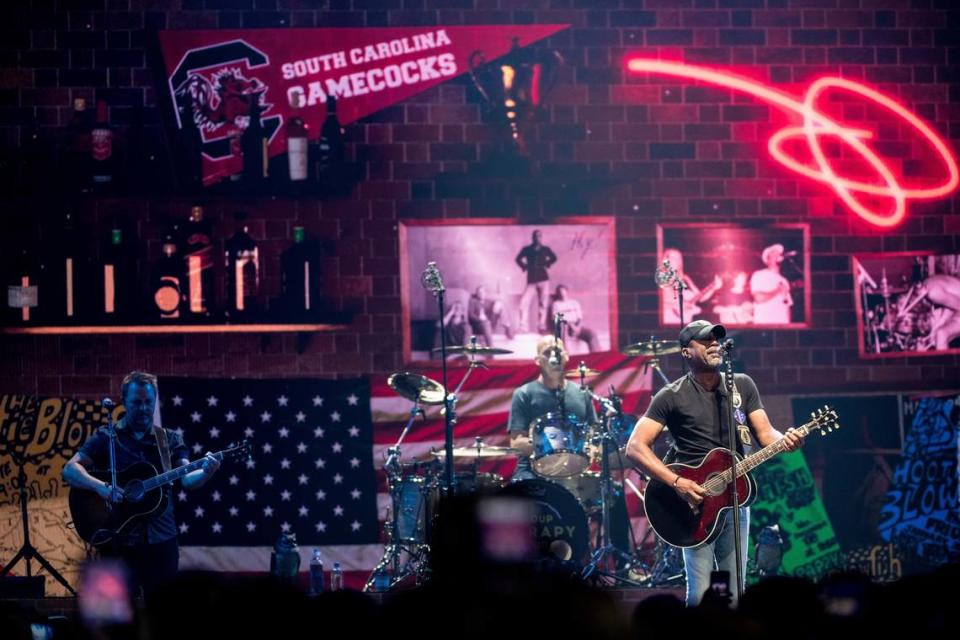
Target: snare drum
(559,446)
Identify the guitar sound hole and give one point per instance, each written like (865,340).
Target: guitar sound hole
(714,478)
(133,492)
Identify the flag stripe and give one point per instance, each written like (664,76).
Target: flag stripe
(483,408)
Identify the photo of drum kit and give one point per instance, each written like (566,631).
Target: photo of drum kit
(575,487)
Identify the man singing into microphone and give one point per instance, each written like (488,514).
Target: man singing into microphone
(694,408)
(539,397)
(771,291)
(149,547)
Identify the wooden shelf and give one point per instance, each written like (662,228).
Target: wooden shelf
(160,329)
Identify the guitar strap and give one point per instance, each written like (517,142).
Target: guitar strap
(743,430)
(164,447)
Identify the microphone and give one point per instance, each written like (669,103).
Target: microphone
(727,346)
(665,275)
(431,279)
(789,254)
(107,403)
(554,358)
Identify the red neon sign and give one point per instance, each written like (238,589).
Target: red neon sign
(816,125)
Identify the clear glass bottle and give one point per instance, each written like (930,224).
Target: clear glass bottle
(316,573)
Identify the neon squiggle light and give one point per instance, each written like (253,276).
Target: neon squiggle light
(816,125)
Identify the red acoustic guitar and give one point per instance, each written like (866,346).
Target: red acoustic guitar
(682,524)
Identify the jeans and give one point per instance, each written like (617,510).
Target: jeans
(700,561)
(542,291)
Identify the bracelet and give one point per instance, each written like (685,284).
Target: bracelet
(676,480)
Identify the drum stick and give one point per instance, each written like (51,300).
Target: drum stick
(633,487)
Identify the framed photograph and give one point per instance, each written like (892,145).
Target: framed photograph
(738,276)
(908,304)
(505,283)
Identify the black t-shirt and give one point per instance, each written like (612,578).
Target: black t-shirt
(536,260)
(533,400)
(696,417)
(162,526)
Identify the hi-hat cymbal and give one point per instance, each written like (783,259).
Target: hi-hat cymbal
(478,451)
(473,349)
(652,348)
(575,373)
(414,387)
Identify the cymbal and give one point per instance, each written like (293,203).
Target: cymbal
(575,373)
(473,349)
(652,348)
(481,451)
(414,387)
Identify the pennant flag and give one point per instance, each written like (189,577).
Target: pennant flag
(214,74)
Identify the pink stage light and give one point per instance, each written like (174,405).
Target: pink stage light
(816,125)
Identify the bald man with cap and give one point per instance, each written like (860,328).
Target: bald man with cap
(694,409)
(771,291)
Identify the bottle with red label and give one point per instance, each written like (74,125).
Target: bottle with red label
(103,161)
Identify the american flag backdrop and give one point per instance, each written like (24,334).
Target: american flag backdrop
(351,463)
(311,470)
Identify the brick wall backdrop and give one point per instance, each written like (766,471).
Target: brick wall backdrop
(642,151)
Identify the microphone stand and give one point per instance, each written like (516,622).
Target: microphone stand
(560,391)
(732,439)
(433,282)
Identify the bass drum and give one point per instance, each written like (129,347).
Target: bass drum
(559,523)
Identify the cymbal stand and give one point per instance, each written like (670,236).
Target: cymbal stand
(599,559)
(416,553)
(654,363)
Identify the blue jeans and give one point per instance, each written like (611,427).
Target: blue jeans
(700,561)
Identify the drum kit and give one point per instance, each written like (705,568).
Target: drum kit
(574,462)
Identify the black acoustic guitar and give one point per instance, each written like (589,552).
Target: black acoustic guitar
(98,521)
(682,524)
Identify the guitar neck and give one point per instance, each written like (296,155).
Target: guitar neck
(175,474)
(754,460)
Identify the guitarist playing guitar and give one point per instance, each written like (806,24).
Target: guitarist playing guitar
(692,408)
(149,546)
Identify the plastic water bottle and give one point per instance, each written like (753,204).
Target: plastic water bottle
(336,577)
(316,573)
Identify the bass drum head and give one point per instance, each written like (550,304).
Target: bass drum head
(559,523)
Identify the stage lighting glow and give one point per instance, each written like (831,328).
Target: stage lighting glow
(816,125)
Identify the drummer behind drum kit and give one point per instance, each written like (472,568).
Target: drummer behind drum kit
(566,495)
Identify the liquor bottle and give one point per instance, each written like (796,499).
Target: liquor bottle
(103,165)
(336,577)
(191,149)
(330,152)
(253,143)
(243,274)
(168,277)
(297,136)
(76,148)
(116,280)
(22,287)
(198,259)
(316,573)
(68,280)
(300,276)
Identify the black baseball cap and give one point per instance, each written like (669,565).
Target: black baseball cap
(699,329)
